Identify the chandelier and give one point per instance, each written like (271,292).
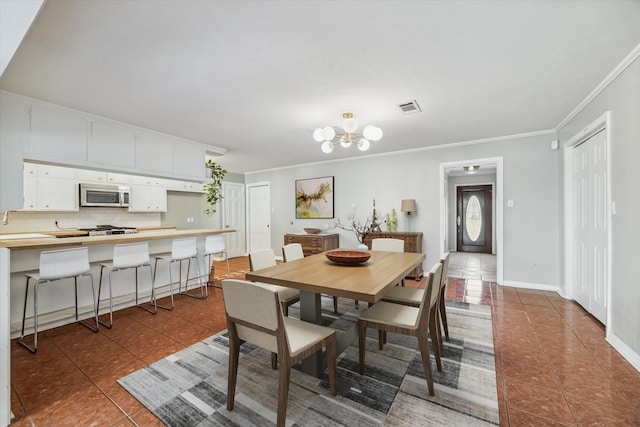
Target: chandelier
(345,135)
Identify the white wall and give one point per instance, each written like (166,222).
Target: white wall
(622,98)
(531,178)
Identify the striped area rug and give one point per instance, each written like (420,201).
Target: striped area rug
(188,388)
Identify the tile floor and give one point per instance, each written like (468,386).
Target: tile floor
(553,366)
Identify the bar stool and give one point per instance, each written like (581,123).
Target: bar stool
(56,265)
(214,245)
(127,256)
(181,250)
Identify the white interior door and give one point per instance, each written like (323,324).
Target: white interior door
(590,225)
(259,196)
(233,217)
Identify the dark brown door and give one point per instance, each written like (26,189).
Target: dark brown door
(474,219)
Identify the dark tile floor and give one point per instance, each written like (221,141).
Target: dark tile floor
(553,366)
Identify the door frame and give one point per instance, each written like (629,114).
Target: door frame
(248,211)
(601,123)
(499,242)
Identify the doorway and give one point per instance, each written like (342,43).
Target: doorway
(259,216)
(587,219)
(474,219)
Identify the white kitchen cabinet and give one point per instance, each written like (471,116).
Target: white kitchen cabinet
(118,178)
(188,160)
(112,145)
(154,152)
(85,175)
(177,185)
(148,198)
(49,188)
(57,135)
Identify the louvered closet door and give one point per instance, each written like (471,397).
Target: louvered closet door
(590,224)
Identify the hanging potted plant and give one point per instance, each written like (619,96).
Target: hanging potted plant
(213,189)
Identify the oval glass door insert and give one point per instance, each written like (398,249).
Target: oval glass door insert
(473,218)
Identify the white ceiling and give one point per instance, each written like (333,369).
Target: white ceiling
(255,77)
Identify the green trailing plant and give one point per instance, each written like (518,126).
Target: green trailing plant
(213,189)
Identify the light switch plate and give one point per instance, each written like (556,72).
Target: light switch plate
(510,203)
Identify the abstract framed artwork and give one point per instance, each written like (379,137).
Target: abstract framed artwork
(314,198)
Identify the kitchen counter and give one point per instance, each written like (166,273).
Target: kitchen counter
(19,255)
(143,234)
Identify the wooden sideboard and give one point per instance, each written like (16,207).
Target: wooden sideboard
(314,243)
(412,243)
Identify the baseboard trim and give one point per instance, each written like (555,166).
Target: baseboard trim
(532,286)
(624,350)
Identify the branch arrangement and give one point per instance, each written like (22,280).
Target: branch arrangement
(359,228)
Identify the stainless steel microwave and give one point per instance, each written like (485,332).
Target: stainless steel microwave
(111,196)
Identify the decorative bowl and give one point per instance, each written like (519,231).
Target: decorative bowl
(347,257)
(312,230)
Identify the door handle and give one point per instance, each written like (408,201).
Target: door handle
(458,220)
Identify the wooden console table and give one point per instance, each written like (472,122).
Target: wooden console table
(314,243)
(412,243)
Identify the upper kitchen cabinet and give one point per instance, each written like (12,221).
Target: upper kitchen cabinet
(188,160)
(57,136)
(154,152)
(112,145)
(49,188)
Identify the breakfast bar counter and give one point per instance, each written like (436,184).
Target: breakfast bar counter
(20,254)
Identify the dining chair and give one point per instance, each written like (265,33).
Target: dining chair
(265,258)
(294,251)
(413,297)
(57,265)
(127,256)
(214,245)
(388,245)
(414,321)
(254,315)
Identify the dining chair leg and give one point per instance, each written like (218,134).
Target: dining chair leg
(331,362)
(381,339)
(335,305)
(234,354)
(283,391)
(362,337)
(443,314)
(426,362)
(274,361)
(435,340)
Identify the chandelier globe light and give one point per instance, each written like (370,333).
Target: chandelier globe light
(346,135)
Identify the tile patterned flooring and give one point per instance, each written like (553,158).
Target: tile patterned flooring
(553,366)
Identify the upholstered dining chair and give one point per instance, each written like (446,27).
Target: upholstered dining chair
(254,315)
(294,251)
(413,297)
(264,258)
(414,321)
(388,245)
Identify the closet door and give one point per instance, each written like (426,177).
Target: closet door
(590,225)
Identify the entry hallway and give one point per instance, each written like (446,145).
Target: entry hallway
(553,365)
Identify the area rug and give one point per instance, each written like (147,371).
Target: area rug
(189,387)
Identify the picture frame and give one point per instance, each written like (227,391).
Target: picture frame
(314,198)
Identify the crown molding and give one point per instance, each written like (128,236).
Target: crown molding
(626,62)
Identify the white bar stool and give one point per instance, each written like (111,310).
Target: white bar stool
(132,255)
(56,265)
(214,245)
(181,250)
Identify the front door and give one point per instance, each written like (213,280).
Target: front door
(474,219)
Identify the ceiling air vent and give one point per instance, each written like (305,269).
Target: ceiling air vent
(410,107)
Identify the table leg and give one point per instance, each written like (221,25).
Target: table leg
(310,311)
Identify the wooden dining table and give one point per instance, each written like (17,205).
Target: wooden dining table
(315,275)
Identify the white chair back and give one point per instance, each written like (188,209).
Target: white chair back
(130,255)
(64,263)
(257,307)
(292,251)
(389,245)
(445,269)
(262,259)
(184,248)
(431,293)
(215,244)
